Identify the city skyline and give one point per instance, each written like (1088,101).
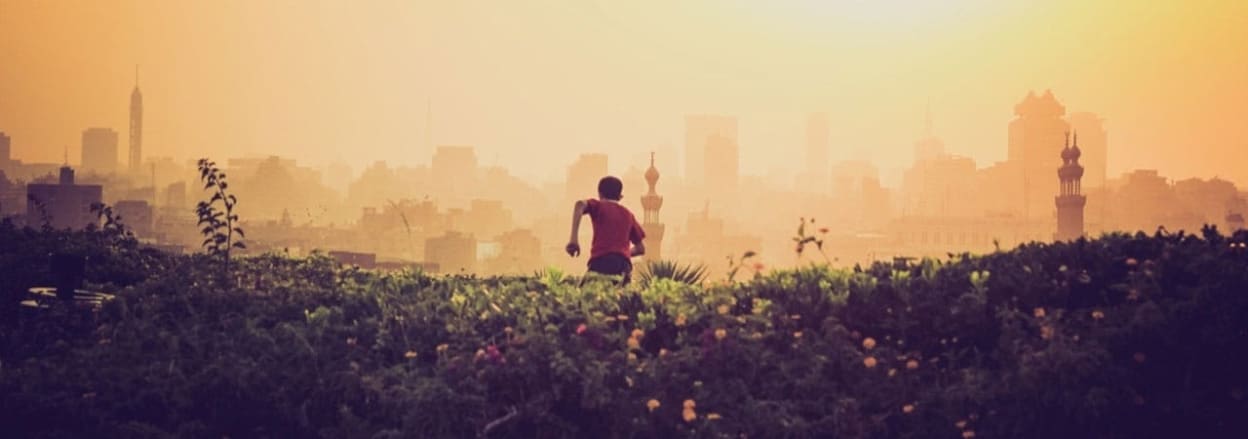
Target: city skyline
(376,102)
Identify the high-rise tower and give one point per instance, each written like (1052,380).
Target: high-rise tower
(651,202)
(1033,138)
(136,126)
(1070,199)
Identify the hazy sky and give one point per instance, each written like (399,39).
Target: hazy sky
(532,83)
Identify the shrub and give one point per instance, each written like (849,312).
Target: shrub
(1122,336)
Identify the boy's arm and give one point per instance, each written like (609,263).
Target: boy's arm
(639,248)
(574,245)
(637,235)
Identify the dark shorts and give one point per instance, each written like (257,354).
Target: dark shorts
(612,264)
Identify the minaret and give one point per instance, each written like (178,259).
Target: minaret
(1070,200)
(652,202)
(136,127)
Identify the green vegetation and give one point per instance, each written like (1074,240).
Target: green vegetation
(1122,336)
(692,274)
(219,224)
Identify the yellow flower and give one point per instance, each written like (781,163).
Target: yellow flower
(1046,332)
(633,343)
(1038,312)
(892,372)
(443,347)
(632,358)
(507,330)
(689,404)
(622,317)
(870,362)
(410,354)
(662,353)
(797,334)
(757,335)
(652,405)
(680,320)
(868,343)
(689,415)
(960,424)
(638,334)
(968,434)
(722,309)
(720,334)
(1098,314)
(907,409)
(912,364)
(712,416)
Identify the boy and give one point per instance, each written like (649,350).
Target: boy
(614,229)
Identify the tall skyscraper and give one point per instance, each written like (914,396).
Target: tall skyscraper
(1070,199)
(698,131)
(1033,139)
(651,202)
(99,150)
(6,153)
(136,126)
(929,147)
(583,176)
(1095,146)
(723,168)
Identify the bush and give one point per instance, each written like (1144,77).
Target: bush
(1122,336)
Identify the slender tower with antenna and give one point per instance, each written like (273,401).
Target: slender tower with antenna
(136,127)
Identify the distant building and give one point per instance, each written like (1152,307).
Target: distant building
(651,203)
(929,147)
(136,127)
(583,176)
(6,152)
(175,195)
(520,252)
(99,150)
(454,170)
(723,168)
(362,260)
(1070,200)
(1034,135)
(65,205)
(136,215)
(698,132)
(454,252)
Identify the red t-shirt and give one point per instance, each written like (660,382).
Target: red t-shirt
(614,228)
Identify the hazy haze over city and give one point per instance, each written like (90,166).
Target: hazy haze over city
(532,84)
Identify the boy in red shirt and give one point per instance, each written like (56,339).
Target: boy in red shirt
(615,228)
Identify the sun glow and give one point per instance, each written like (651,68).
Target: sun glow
(881,16)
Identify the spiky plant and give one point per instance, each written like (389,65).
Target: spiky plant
(691,274)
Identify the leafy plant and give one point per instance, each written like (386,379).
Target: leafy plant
(111,221)
(219,224)
(736,264)
(804,238)
(691,274)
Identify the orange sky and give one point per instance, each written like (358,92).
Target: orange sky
(324,81)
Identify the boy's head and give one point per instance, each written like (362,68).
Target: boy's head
(610,188)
